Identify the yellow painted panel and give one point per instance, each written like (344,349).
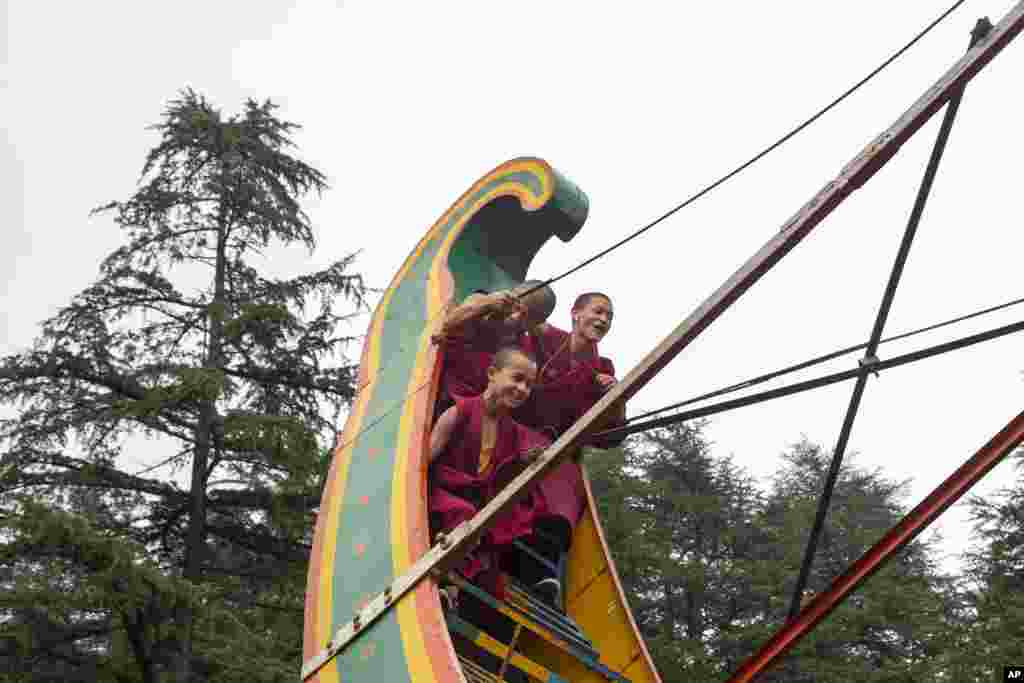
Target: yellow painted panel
(554,659)
(602,616)
(596,603)
(586,557)
(500,650)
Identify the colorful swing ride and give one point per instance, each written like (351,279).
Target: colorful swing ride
(373,611)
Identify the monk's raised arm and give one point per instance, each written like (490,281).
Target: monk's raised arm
(442,432)
(474,307)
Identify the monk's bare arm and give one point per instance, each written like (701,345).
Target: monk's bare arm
(442,432)
(474,307)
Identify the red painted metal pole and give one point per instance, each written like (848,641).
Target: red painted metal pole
(453,546)
(990,455)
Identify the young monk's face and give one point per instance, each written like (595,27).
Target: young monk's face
(594,319)
(511,385)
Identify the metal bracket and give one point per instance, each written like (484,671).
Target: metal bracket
(981,31)
(869,363)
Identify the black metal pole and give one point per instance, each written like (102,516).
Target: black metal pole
(810,384)
(642,421)
(979,32)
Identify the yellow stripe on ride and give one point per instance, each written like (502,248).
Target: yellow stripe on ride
(510,188)
(413,642)
(325,625)
(408,618)
(501,650)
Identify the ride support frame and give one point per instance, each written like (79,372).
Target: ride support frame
(452,547)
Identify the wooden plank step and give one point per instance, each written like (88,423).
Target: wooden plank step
(534,671)
(584,654)
(570,640)
(558,632)
(475,673)
(522,599)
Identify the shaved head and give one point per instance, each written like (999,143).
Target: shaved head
(584,299)
(507,355)
(540,303)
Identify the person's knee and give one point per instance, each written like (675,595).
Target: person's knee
(557,529)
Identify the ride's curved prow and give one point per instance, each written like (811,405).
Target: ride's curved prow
(373,523)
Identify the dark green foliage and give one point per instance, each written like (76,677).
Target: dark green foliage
(709,562)
(73,587)
(180,357)
(991,619)
(893,627)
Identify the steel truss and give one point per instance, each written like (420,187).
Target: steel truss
(451,548)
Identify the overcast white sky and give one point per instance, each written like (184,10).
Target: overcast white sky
(404,104)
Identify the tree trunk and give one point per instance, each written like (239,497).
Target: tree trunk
(695,590)
(134,633)
(668,628)
(196,538)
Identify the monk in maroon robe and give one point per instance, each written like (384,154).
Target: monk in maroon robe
(572,378)
(475,447)
(477,328)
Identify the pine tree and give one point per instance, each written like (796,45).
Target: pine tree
(182,352)
(680,524)
(893,627)
(992,622)
(709,560)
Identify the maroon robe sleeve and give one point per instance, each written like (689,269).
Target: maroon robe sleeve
(606,367)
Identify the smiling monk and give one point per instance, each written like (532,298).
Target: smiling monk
(473,331)
(475,446)
(573,377)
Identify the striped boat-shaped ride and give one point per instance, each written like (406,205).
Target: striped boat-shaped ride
(373,516)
